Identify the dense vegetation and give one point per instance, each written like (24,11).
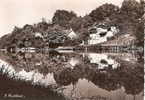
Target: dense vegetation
(128,18)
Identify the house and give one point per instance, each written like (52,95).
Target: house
(95,39)
(38,35)
(71,34)
(102,34)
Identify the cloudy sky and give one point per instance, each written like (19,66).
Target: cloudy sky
(21,12)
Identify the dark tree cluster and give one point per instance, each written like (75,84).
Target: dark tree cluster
(104,11)
(132,8)
(62,17)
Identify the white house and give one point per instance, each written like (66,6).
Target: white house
(72,34)
(102,34)
(38,35)
(100,30)
(95,39)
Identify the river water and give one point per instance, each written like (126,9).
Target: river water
(61,75)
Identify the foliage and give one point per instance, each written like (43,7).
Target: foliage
(132,8)
(139,33)
(62,17)
(81,22)
(104,11)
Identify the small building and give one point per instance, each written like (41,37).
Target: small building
(38,35)
(71,34)
(102,34)
(95,39)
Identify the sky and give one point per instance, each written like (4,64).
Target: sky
(21,12)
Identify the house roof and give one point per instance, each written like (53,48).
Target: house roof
(72,34)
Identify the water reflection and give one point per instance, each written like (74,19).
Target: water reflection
(74,76)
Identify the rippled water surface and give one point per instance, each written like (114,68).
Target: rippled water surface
(72,75)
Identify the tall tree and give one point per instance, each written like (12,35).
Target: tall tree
(139,33)
(62,17)
(104,11)
(132,8)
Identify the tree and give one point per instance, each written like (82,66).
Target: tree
(16,30)
(84,34)
(104,11)
(140,33)
(28,28)
(41,26)
(62,17)
(132,8)
(81,22)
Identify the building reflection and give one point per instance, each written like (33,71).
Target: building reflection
(72,71)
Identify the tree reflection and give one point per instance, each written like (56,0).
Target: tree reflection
(128,75)
(10,86)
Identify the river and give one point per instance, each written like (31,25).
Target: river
(62,75)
